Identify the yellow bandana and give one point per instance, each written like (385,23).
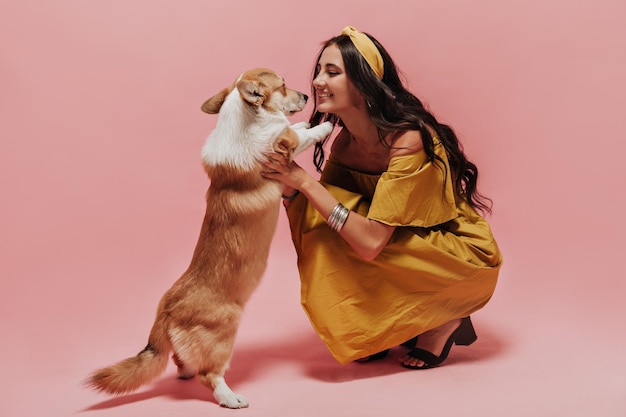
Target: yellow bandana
(367,49)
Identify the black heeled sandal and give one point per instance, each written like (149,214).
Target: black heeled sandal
(464,335)
(374,357)
(409,344)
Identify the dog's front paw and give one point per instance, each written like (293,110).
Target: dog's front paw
(300,125)
(325,128)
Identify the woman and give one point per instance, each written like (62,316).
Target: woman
(390,244)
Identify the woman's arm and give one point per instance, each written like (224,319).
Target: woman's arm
(367,237)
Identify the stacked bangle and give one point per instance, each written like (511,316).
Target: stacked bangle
(338,217)
(290,197)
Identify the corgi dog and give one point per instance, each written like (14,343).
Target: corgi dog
(198,317)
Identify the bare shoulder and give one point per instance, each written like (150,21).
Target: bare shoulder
(407,143)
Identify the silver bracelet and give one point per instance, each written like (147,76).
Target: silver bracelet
(290,197)
(338,217)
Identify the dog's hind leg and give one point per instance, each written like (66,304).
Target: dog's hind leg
(209,367)
(221,391)
(215,362)
(184,372)
(205,350)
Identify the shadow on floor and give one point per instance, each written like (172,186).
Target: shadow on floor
(308,352)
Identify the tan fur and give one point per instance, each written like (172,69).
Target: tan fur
(198,317)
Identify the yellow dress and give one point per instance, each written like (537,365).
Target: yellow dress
(441,263)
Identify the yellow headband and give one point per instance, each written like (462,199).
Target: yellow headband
(367,49)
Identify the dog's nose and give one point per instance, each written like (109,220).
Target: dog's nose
(305,97)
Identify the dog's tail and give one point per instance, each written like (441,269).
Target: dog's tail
(131,373)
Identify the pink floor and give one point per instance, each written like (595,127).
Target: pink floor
(546,348)
(101,199)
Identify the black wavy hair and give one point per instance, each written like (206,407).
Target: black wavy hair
(393,108)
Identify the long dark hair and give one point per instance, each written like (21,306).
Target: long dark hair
(393,108)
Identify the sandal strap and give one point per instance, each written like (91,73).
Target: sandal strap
(423,355)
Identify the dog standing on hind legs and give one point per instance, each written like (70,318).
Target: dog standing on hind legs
(198,317)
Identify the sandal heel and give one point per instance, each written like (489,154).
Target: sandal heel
(465,334)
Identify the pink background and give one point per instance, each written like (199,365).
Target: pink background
(102,199)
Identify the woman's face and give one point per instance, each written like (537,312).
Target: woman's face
(335,92)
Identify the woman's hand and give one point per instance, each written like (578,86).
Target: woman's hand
(278,167)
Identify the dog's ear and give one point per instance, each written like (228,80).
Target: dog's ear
(252,91)
(214,104)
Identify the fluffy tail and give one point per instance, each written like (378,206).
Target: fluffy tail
(131,373)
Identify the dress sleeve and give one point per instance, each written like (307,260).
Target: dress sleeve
(415,192)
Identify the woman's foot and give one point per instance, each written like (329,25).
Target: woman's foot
(435,344)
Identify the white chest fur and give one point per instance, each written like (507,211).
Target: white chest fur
(243,134)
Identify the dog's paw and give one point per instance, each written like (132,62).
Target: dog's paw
(300,125)
(286,145)
(228,399)
(238,401)
(325,128)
